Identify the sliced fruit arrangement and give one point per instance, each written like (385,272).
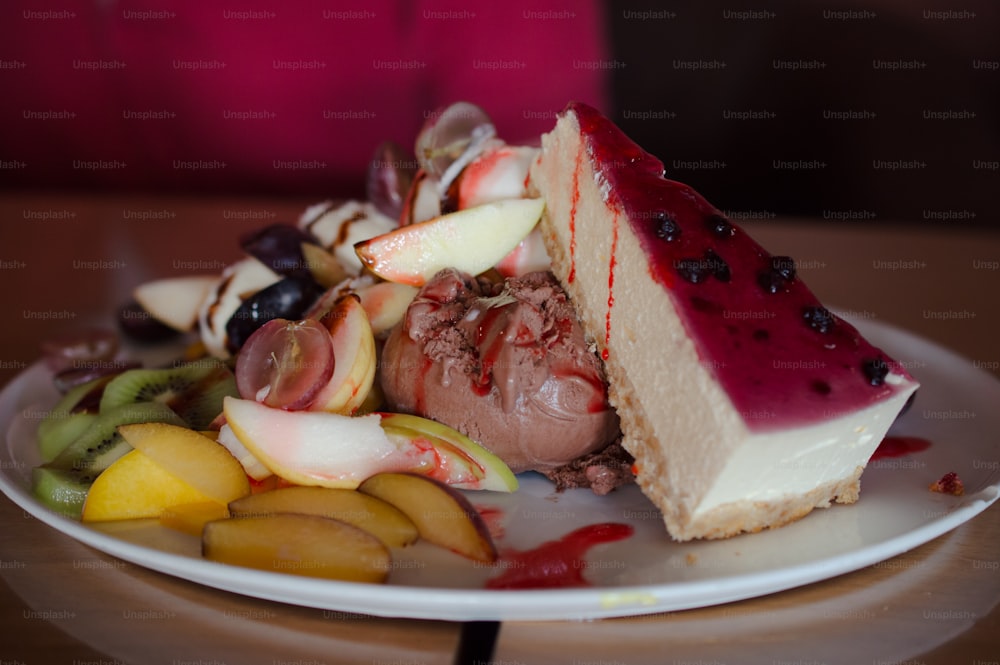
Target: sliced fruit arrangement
(79,438)
(268,443)
(463,192)
(346,534)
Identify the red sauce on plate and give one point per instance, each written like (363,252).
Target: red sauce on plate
(898,446)
(557,563)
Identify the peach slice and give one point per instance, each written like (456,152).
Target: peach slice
(317,447)
(442,514)
(134,487)
(354,354)
(462,462)
(252,466)
(306,545)
(332,450)
(423,201)
(192,457)
(382,520)
(471,240)
(386,304)
(175,301)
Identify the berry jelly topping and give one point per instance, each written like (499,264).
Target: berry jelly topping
(783,359)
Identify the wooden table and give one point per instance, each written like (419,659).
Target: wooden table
(70,260)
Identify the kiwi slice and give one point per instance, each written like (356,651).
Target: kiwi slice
(62,491)
(61,432)
(193,390)
(57,484)
(70,416)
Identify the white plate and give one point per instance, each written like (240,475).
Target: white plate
(646,573)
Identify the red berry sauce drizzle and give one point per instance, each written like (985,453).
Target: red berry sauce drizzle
(899,446)
(557,563)
(746,309)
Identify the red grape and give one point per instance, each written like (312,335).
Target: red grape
(285,364)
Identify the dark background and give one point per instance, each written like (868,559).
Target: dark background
(837,118)
(782,108)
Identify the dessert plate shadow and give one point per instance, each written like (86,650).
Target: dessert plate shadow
(646,573)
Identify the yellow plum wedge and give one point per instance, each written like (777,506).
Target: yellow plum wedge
(382,520)
(442,514)
(192,457)
(136,487)
(306,545)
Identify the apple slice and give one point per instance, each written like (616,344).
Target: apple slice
(134,487)
(382,520)
(442,514)
(463,463)
(192,457)
(306,545)
(354,358)
(471,240)
(175,301)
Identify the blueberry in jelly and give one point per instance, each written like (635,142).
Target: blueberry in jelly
(719,268)
(782,270)
(719,225)
(770,282)
(821,387)
(784,266)
(693,270)
(875,370)
(666,226)
(697,270)
(819,319)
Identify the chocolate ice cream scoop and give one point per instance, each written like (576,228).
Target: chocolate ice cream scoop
(504,362)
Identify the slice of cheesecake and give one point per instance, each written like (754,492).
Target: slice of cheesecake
(745,402)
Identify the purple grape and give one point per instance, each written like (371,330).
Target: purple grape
(390,176)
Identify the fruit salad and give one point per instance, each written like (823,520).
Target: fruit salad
(267,438)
